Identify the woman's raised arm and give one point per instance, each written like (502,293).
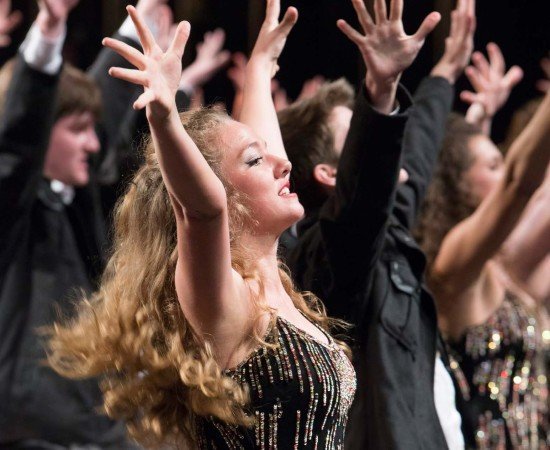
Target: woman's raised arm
(471,243)
(204,280)
(258,110)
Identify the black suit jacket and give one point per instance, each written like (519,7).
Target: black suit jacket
(358,256)
(49,252)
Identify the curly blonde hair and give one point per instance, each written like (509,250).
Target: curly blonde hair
(157,373)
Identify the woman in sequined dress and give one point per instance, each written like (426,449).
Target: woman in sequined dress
(198,329)
(498,334)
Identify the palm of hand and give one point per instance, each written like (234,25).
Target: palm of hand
(494,97)
(389,51)
(162,73)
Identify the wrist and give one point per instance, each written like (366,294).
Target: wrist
(382,94)
(261,62)
(161,115)
(449,72)
(50,27)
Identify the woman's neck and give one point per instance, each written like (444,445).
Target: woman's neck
(262,250)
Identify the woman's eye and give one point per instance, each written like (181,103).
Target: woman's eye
(255,161)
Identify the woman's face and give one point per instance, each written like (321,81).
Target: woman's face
(261,176)
(487,168)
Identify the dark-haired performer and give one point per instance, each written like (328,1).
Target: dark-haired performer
(356,251)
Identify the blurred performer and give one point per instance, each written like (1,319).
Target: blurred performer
(498,333)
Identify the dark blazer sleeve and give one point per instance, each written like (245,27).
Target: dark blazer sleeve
(353,220)
(422,140)
(117,95)
(25,127)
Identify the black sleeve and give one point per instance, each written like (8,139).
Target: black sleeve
(353,220)
(422,139)
(25,127)
(117,95)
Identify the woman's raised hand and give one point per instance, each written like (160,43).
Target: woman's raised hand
(273,34)
(491,81)
(158,71)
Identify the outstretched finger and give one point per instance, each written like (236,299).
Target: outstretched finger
(272,11)
(512,77)
(12,21)
(470,97)
(130,75)
(496,58)
(396,9)
(481,64)
(363,15)
(471,8)
(476,79)
(380,11)
(180,39)
(223,57)
(129,53)
(143,100)
(145,36)
(352,34)
(216,40)
(427,26)
(5,7)
(288,22)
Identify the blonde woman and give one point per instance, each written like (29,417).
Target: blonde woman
(199,332)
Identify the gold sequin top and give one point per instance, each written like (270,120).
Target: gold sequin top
(501,368)
(300,393)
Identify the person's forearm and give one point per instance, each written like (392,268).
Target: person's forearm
(421,144)
(257,109)
(187,175)
(529,243)
(527,159)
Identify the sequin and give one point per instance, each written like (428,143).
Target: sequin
(300,392)
(500,366)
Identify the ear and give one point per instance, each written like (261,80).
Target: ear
(325,174)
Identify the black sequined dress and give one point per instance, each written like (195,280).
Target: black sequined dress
(300,393)
(501,368)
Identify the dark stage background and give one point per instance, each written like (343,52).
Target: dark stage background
(520,27)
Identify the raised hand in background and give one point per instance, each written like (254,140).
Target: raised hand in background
(492,85)
(8,21)
(459,44)
(210,59)
(52,16)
